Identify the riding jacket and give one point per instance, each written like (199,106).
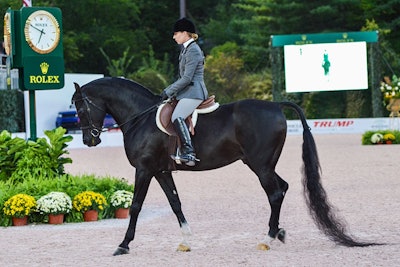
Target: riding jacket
(191,75)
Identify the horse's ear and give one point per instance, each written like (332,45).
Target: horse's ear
(77,88)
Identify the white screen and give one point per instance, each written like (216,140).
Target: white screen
(345,67)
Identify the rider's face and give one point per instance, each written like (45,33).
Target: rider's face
(180,37)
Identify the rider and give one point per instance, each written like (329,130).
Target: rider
(189,89)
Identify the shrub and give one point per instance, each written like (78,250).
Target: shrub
(21,159)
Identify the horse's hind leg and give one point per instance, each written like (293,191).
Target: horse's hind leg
(276,188)
(168,186)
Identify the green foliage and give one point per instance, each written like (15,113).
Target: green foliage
(256,86)
(226,78)
(10,150)
(325,105)
(151,79)
(71,185)
(153,73)
(20,159)
(223,70)
(118,67)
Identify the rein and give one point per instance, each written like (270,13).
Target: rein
(151,108)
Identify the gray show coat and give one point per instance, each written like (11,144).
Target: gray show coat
(191,72)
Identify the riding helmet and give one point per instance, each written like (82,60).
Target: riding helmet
(184,25)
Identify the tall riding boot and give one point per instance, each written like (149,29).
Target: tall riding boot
(187,154)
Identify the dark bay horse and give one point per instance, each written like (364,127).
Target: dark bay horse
(253,131)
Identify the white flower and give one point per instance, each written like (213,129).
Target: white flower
(54,203)
(376,137)
(121,199)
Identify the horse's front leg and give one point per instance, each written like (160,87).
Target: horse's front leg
(142,183)
(167,184)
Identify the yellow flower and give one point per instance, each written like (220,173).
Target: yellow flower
(89,200)
(19,205)
(389,136)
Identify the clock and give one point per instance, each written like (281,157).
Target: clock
(7,33)
(42,32)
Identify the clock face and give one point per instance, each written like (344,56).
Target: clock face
(42,32)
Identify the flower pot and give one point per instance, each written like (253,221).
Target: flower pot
(20,221)
(90,215)
(56,218)
(121,213)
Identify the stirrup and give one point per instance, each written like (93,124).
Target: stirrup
(189,162)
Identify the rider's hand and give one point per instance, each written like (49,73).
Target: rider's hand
(164,96)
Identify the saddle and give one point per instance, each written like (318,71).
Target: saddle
(164,114)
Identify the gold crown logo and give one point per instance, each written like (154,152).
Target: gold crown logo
(304,37)
(44,67)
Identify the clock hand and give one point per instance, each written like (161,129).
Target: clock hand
(36,28)
(41,32)
(40,37)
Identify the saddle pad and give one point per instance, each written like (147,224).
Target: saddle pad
(163,119)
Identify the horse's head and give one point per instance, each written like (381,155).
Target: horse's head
(91,116)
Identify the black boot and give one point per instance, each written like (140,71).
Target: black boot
(187,154)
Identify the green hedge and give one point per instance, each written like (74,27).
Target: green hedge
(12,112)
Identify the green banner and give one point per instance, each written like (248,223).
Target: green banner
(318,38)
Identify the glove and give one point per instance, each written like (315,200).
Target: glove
(164,96)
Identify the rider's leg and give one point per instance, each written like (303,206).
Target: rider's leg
(183,109)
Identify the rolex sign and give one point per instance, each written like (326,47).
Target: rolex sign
(43,73)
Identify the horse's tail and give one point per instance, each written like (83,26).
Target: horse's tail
(320,209)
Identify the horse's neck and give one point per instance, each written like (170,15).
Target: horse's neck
(125,107)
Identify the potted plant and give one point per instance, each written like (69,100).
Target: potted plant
(19,207)
(89,203)
(121,201)
(55,205)
(390,89)
(381,137)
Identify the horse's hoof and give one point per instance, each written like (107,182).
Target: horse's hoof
(183,248)
(121,251)
(263,246)
(282,235)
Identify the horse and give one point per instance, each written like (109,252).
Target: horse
(250,130)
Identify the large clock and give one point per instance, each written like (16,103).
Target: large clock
(7,33)
(42,32)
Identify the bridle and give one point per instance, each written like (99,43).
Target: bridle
(95,131)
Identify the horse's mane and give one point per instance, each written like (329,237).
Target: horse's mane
(117,83)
